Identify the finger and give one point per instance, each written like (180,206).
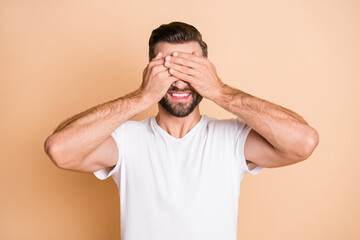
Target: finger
(155,63)
(166,78)
(181,76)
(158,56)
(158,69)
(196,53)
(182,61)
(165,72)
(189,56)
(153,68)
(156,60)
(167,75)
(183,69)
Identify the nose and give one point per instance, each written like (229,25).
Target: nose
(180,84)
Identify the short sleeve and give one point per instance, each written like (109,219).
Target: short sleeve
(241,135)
(104,173)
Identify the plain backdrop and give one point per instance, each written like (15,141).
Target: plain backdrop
(58,58)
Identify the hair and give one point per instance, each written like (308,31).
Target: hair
(175,32)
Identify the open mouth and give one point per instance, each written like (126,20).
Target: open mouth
(180,96)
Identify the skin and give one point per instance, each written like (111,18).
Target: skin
(279,136)
(177,127)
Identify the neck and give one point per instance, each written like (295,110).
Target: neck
(175,126)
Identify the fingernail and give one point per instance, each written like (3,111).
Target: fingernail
(167,64)
(167,58)
(172,70)
(175,54)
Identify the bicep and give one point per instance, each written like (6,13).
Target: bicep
(105,155)
(259,151)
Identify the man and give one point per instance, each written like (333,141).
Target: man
(179,173)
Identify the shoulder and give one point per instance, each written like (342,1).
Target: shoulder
(232,128)
(231,123)
(131,125)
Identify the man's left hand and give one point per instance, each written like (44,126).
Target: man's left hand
(197,70)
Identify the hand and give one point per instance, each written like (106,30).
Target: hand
(156,79)
(198,71)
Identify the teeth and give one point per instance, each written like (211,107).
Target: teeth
(181,95)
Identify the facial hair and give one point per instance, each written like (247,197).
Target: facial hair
(179,109)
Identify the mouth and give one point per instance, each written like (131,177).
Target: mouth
(179,96)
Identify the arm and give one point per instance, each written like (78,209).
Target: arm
(84,142)
(78,137)
(279,137)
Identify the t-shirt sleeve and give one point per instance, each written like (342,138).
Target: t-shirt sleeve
(243,131)
(104,173)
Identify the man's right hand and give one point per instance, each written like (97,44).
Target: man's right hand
(156,80)
(83,142)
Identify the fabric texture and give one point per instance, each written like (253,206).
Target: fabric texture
(179,188)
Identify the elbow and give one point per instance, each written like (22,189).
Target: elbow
(53,149)
(310,143)
(300,152)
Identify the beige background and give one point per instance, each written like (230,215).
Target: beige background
(58,58)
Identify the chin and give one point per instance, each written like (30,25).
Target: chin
(178,109)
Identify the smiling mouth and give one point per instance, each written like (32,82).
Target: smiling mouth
(180,96)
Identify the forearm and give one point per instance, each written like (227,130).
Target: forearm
(82,133)
(284,129)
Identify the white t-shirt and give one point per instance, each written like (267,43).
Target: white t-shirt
(179,188)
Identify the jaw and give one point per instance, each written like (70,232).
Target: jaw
(164,114)
(179,108)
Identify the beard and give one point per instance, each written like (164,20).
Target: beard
(179,109)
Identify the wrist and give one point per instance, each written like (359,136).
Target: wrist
(143,98)
(221,96)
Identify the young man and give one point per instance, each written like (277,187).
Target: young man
(179,173)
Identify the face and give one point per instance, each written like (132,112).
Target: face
(181,99)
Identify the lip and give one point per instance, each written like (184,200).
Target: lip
(182,99)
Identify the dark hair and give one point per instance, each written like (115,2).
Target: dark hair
(175,32)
